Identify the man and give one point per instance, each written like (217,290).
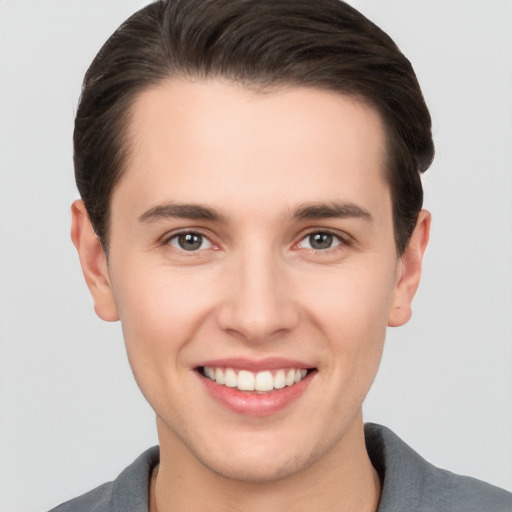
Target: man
(251,212)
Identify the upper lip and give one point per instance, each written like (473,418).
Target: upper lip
(241,363)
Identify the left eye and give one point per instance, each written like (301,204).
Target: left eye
(190,241)
(320,240)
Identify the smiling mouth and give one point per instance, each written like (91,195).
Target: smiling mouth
(261,382)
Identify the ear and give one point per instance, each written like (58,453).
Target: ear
(93,261)
(409,272)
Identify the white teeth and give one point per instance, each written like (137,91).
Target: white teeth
(290,377)
(262,381)
(230,379)
(245,380)
(280,379)
(219,376)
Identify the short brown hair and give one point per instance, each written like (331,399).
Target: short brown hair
(324,44)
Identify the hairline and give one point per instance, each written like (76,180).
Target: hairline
(258,86)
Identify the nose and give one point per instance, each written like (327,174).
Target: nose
(258,305)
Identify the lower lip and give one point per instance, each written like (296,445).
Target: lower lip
(256,404)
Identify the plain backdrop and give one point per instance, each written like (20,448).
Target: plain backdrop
(71,416)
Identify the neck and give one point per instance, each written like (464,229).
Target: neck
(342,480)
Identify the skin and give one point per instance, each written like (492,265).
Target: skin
(255,288)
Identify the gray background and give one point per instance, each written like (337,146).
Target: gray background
(71,416)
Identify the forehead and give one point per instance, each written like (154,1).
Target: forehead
(197,141)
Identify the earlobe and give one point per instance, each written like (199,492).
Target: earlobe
(93,261)
(409,268)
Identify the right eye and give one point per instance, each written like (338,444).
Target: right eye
(190,241)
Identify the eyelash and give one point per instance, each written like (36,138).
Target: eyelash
(167,241)
(340,240)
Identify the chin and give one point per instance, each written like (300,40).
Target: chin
(259,470)
(260,458)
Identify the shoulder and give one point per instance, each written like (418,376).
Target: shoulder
(412,483)
(97,500)
(127,493)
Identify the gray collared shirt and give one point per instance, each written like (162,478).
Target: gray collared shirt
(409,483)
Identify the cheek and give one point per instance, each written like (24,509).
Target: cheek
(354,299)
(160,311)
(159,317)
(352,313)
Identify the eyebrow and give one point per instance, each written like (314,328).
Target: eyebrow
(181,211)
(331,210)
(306,211)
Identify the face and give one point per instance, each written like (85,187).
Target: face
(252,264)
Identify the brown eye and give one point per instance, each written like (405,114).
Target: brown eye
(190,241)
